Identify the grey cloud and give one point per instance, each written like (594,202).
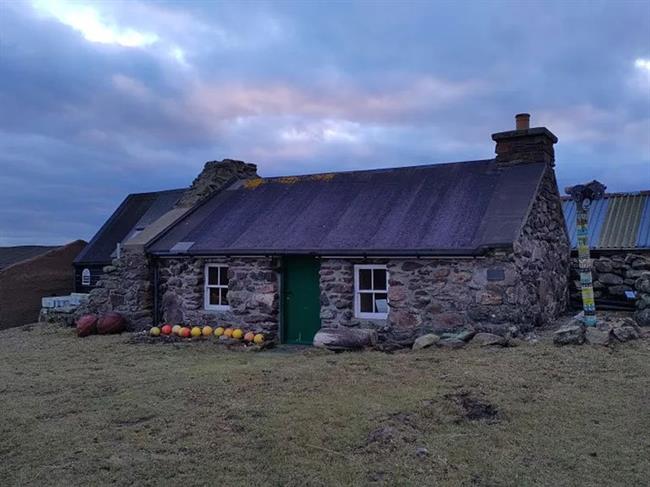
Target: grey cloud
(305,87)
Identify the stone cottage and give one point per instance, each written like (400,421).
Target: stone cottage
(404,250)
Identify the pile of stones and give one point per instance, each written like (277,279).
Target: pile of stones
(466,337)
(642,287)
(608,331)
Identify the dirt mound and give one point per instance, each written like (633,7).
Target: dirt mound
(474,409)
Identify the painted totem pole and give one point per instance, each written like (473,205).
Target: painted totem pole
(583,195)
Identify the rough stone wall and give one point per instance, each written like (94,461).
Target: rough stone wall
(444,295)
(214,175)
(541,256)
(427,294)
(125,287)
(253,293)
(642,286)
(613,274)
(23,284)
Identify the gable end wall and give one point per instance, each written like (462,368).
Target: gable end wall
(542,254)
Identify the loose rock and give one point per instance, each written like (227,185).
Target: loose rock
(625,333)
(463,335)
(570,335)
(642,317)
(452,343)
(488,339)
(425,341)
(421,452)
(594,336)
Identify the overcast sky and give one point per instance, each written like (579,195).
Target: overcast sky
(102,99)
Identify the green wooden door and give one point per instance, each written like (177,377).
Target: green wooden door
(300,299)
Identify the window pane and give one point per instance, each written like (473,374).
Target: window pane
(379,282)
(213,276)
(365,279)
(224,296)
(365,302)
(381,303)
(214,296)
(223,275)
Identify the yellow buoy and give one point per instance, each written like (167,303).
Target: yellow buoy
(218,331)
(237,334)
(196,332)
(259,338)
(176,329)
(155,331)
(207,331)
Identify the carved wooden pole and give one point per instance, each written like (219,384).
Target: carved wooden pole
(583,195)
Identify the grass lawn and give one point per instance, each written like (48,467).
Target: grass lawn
(99,410)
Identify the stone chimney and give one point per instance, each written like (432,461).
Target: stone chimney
(214,175)
(524,144)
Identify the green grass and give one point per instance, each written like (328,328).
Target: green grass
(99,411)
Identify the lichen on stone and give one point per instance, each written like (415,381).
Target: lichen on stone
(253,183)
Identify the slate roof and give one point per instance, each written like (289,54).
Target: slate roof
(618,221)
(12,255)
(454,208)
(135,212)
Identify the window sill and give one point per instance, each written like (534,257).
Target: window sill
(371,316)
(216,308)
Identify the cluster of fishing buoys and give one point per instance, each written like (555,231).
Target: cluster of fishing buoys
(206,332)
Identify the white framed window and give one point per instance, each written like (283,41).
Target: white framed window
(85,277)
(370,291)
(216,287)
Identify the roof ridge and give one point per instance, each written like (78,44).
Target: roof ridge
(617,194)
(147,193)
(375,170)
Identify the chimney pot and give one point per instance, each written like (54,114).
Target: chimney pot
(522,121)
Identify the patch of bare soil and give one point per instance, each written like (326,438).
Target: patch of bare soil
(474,409)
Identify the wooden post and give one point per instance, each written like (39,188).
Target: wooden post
(585,263)
(583,195)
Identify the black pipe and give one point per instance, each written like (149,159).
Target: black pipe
(156,314)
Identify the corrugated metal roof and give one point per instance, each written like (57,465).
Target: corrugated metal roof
(621,227)
(618,221)
(597,213)
(644,228)
(457,208)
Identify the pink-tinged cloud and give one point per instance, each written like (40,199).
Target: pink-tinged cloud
(212,102)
